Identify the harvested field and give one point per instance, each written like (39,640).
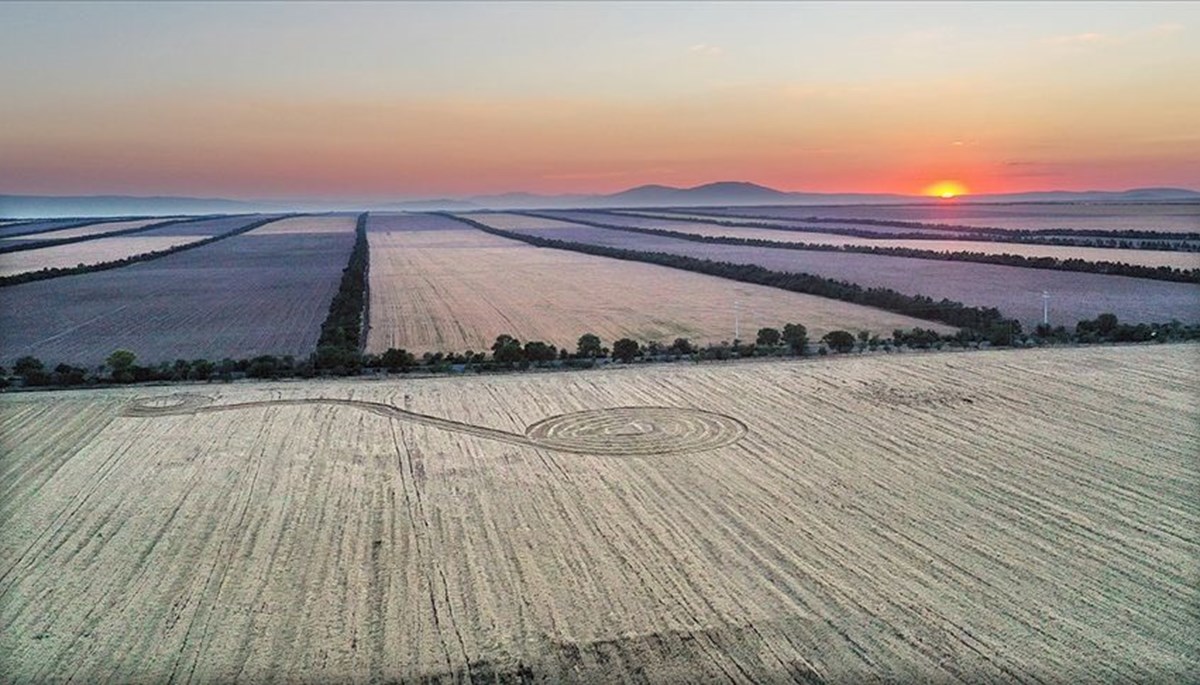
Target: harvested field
(116,248)
(439,285)
(1016,291)
(978,517)
(24,227)
(1167,217)
(1154,258)
(90,229)
(262,292)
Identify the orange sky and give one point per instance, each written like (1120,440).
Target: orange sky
(365,103)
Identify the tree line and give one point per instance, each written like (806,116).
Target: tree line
(75,222)
(983,232)
(341,341)
(507,353)
(946,311)
(1158,273)
(52,242)
(47,273)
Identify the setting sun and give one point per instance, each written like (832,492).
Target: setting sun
(946,189)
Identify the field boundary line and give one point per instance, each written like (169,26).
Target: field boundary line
(46,274)
(1104,268)
(55,242)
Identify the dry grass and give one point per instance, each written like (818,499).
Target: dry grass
(980,517)
(438,285)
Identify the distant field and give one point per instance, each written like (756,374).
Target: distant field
(262,292)
(1155,258)
(971,518)
(101,250)
(439,285)
(90,229)
(1015,291)
(44,225)
(1173,218)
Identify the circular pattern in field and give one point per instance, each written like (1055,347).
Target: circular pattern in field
(634,431)
(166,405)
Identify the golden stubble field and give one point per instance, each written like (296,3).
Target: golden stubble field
(958,517)
(453,288)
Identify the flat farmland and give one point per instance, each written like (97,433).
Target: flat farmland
(263,292)
(1016,291)
(953,518)
(24,227)
(100,249)
(1153,258)
(89,229)
(1167,217)
(439,285)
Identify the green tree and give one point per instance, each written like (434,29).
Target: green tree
(842,341)
(28,365)
(120,362)
(395,359)
(681,346)
(626,350)
(796,337)
(538,351)
(1106,324)
(589,346)
(768,336)
(201,370)
(507,349)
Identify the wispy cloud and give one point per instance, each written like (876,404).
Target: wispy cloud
(1091,39)
(706,50)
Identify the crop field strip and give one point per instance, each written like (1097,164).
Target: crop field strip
(984,517)
(1165,217)
(1015,291)
(1176,241)
(86,231)
(698,225)
(261,292)
(101,249)
(1160,273)
(439,285)
(90,229)
(36,226)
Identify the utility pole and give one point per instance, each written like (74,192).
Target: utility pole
(737,320)
(1045,308)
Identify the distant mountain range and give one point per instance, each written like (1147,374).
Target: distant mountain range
(724,193)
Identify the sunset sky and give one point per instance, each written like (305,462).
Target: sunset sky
(405,100)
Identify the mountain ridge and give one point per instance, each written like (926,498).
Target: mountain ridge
(716,194)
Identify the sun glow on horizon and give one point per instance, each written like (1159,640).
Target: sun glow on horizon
(947,190)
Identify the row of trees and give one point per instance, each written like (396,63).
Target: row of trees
(509,353)
(944,311)
(1159,273)
(17,229)
(35,244)
(340,344)
(974,232)
(46,273)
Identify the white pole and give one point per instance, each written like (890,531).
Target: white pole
(1045,308)
(737,320)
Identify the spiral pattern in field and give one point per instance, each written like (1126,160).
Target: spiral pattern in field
(619,431)
(166,405)
(636,431)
